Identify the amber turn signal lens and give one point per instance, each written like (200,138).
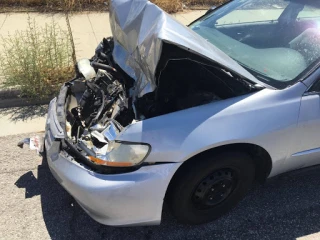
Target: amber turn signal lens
(110,164)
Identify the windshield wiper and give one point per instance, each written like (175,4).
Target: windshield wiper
(256,75)
(250,84)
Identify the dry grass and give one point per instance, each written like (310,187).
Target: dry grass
(37,60)
(170,6)
(204,2)
(52,4)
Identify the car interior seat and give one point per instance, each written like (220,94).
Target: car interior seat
(308,44)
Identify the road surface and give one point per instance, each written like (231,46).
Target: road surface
(34,206)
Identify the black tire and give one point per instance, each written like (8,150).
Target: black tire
(236,169)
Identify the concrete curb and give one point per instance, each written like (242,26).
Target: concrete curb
(10,98)
(21,102)
(9,93)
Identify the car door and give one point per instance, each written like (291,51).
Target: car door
(306,150)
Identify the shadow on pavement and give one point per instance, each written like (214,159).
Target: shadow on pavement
(284,208)
(25,113)
(30,183)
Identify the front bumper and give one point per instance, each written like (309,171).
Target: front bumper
(134,198)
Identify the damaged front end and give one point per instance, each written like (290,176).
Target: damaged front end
(99,104)
(97,108)
(137,75)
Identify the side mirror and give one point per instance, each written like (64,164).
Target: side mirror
(211,9)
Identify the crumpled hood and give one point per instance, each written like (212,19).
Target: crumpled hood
(140,28)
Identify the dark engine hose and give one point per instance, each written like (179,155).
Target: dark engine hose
(94,121)
(103,66)
(106,57)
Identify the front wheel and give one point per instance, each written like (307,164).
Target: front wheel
(204,189)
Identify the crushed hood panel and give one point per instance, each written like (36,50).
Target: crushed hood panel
(140,28)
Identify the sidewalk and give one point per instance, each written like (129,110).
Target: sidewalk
(88,30)
(21,120)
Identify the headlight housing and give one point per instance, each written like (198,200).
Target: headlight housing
(122,154)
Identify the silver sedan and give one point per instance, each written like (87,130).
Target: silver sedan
(191,116)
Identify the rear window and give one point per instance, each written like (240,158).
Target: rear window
(265,10)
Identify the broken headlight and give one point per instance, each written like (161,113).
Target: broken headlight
(122,154)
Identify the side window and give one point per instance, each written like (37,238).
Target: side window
(251,12)
(315,87)
(309,13)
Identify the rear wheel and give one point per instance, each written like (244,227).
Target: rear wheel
(204,189)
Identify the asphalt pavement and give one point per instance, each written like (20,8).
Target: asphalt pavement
(34,206)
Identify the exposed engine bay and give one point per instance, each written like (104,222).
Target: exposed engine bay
(100,102)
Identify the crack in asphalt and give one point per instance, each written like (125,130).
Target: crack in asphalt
(92,29)
(24,169)
(19,170)
(5,19)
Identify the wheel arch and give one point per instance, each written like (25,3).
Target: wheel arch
(261,158)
